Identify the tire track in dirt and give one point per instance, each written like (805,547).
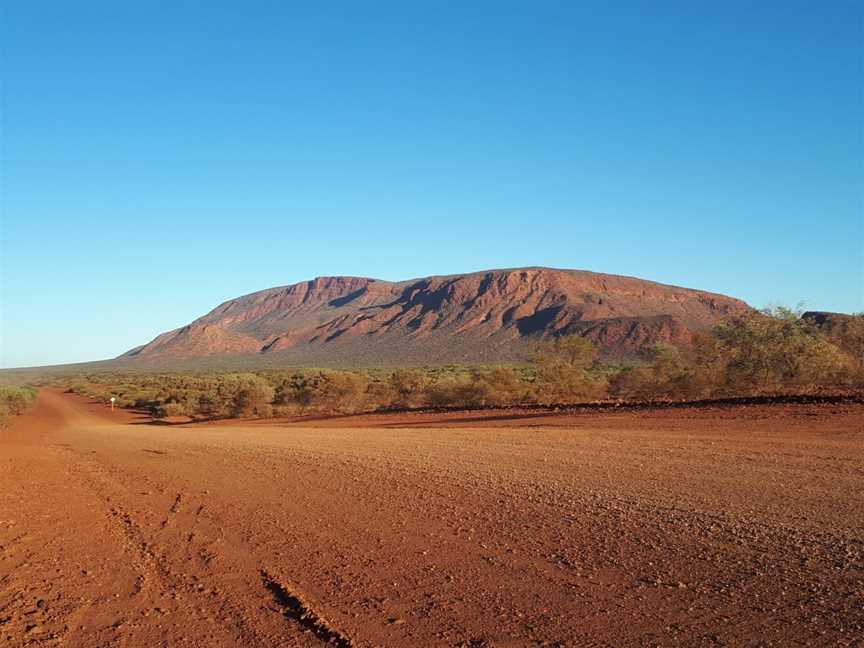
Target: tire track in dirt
(178,577)
(298,610)
(161,582)
(632,531)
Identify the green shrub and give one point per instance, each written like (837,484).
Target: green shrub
(567,370)
(775,351)
(848,336)
(340,391)
(15,400)
(454,390)
(499,386)
(668,375)
(408,387)
(252,395)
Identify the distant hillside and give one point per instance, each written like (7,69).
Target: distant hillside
(478,317)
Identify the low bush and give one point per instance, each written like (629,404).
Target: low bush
(666,376)
(567,371)
(15,400)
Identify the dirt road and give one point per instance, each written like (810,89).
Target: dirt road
(684,528)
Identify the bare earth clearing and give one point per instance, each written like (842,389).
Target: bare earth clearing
(717,527)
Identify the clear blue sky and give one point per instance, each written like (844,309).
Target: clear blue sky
(161,157)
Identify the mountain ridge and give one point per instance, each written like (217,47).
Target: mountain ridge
(488,315)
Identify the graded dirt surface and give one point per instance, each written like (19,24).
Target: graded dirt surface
(710,527)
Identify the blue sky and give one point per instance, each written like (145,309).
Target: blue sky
(159,158)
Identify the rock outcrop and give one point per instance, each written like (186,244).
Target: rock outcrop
(477,317)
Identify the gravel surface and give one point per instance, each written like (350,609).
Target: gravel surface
(726,526)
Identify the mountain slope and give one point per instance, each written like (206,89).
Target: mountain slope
(482,316)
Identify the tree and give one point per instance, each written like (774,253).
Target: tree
(409,386)
(498,386)
(666,376)
(848,334)
(563,369)
(253,396)
(775,350)
(342,391)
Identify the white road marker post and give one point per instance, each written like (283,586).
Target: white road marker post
(112,403)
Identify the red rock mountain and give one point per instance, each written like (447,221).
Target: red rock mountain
(477,317)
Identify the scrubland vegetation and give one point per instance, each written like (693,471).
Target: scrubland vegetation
(15,400)
(771,352)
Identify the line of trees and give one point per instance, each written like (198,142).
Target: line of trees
(770,352)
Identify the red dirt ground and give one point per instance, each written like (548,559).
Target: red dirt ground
(690,527)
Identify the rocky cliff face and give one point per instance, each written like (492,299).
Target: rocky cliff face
(483,316)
